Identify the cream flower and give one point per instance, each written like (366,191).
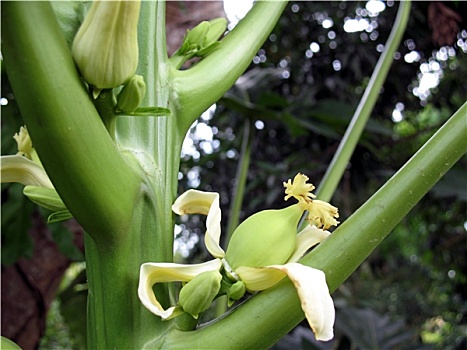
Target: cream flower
(310,283)
(25,168)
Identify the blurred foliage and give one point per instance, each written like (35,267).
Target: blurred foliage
(411,291)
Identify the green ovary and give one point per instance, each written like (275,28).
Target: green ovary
(266,238)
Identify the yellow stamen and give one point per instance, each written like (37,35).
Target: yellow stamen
(299,189)
(322,214)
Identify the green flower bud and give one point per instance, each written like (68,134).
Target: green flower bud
(217,27)
(196,36)
(236,291)
(132,94)
(265,238)
(105,48)
(202,39)
(197,295)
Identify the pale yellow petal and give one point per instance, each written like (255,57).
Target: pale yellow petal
(259,278)
(24,171)
(314,297)
(307,238)
(152,273)
(206,203)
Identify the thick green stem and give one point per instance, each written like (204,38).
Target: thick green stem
(93,179)
(352,135)
(117,319)
(261,321)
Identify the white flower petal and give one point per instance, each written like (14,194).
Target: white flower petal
(314,297)
(152,273)
(20,169)
(307,238)
(206,203)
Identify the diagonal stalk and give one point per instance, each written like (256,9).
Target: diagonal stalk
(241,177)
(352,135)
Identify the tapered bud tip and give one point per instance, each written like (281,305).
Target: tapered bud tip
(198,294)
(105,48)
(132,94)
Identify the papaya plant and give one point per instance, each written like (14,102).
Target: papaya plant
(106,111)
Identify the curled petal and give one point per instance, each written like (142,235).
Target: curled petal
(152,273)
(307,238)
(206,203)
(311,288)
(314,297)
(20,169)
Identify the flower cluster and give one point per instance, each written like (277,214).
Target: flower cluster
(263,250)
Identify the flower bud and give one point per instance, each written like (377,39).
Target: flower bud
(266,238)
(202,39)
(217,27)
(105,48)
(197,295)
(132,94)
(236,291)
(197,34)
(24,142)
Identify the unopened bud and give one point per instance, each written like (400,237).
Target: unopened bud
(217,27)
(197,295)
(24,142)
(266,238)
(132,94)
(236,291)
(197,34)
(105,48)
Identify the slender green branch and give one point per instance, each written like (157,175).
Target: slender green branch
(94,181)
(242,173)
(199,87)
(352,135)
(261,321)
